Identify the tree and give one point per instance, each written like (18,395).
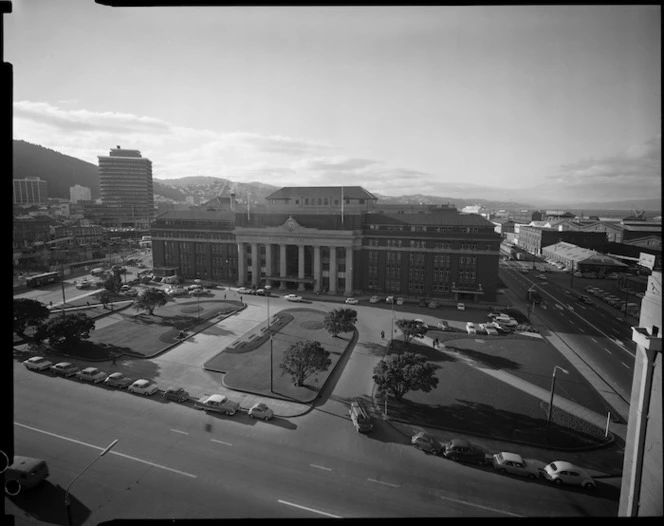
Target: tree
(113,283)
(340,320)
(104,297)
(399,374)
(411,328)
(303,359)
(150,300)
(28,312)
(68,330)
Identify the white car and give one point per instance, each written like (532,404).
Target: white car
(37,363)
(389,299)
(374,299)
(351,301)
(562,472)
(461,306)
(399,301)
(91,374)
(293,297)
(516,465)
(144,387)
(470,327)
(261,411)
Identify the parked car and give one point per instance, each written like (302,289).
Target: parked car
(91,374)
(461,450)
(263,292)
(505,320)
(426,443)
(374,299)
(64,369)
(433,304)
(563,472)
(461,306)
(177,394)
(118,380)
(515,465)
(612,275)
(144,387)
(261,411)
(389,299)
(615,302)
(590,288)
(293,297)
(244,290)
(470,327)
(37,363)
(400,301)
(585,299)
(351,301)
(577,274)
(199,292)
(83,285)
(443,325)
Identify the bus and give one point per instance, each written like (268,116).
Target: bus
(42,279)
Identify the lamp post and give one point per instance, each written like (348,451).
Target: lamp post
(553,386)
(67,503)
(269,330)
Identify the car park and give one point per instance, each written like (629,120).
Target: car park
(91,374)
(374,299)
(461,306)
(37,363)
(293,297)
(427,443)
(563,472)
(261,411)
(461,450)
(514,464)
(118,380)
(64,369)
(144,387)
(176,394)
(351,301)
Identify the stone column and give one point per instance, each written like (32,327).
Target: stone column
(255,264)
(317,273)
(300,267)
(268,262)
(241,266)
(333,270)
(282,265)
(348,289)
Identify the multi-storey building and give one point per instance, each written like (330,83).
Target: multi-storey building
(533,238)
(333,240)
(125,182)
(30,191)
(79,193)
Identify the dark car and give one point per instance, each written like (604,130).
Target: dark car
(118,380)
(463,451)
(177,394)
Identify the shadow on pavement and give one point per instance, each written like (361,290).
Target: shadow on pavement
(46,503)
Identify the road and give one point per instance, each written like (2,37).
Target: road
(597,333)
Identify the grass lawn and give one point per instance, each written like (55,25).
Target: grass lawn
(250,371)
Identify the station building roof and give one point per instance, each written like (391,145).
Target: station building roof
(580,255)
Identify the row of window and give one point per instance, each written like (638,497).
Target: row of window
(415,288)
(422,243)
(421,228)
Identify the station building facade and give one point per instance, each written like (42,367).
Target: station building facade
(333,240)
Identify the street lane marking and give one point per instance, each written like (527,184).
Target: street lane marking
(593,339)
(572,322)
(320,467)
(481,507)
(308,509)
(178,431)
(625,364)
(110,452)
(384,483)
(581,306)
(606,350)
(581,329)
(559,306)
(220,442)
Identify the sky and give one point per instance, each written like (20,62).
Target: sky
(542,103)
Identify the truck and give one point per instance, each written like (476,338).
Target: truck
(217,403)
(534,296)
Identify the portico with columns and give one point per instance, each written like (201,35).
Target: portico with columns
(310,258)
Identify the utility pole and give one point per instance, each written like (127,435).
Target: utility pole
(269,330)
(553,386)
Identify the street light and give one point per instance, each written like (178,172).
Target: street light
(67,503)
(553,386)
(267,295)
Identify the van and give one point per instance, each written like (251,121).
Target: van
(360,416)
(25,472)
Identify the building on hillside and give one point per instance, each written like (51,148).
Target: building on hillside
(582,259)
(79,193)
(125,183)
(525,216)
(533,238)
(641,486)
(30,191)
(334,240)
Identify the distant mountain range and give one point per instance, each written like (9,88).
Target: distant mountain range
(62,172)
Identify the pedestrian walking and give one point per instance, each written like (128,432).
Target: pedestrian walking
(224,295)
(382,335)
(437,343)
(50,303)
(240,299)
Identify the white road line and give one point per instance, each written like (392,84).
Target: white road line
(582,307)
(593,339)
(308,509)
(606,350)
(572,322)
(178,431)
(110,452)
(481,507)
(625,364)
(581,329)
(384,483)
(320,467)
(559,306)
(220,442)
(543,306)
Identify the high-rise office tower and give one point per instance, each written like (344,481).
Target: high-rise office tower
(30,191)
(125,183)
